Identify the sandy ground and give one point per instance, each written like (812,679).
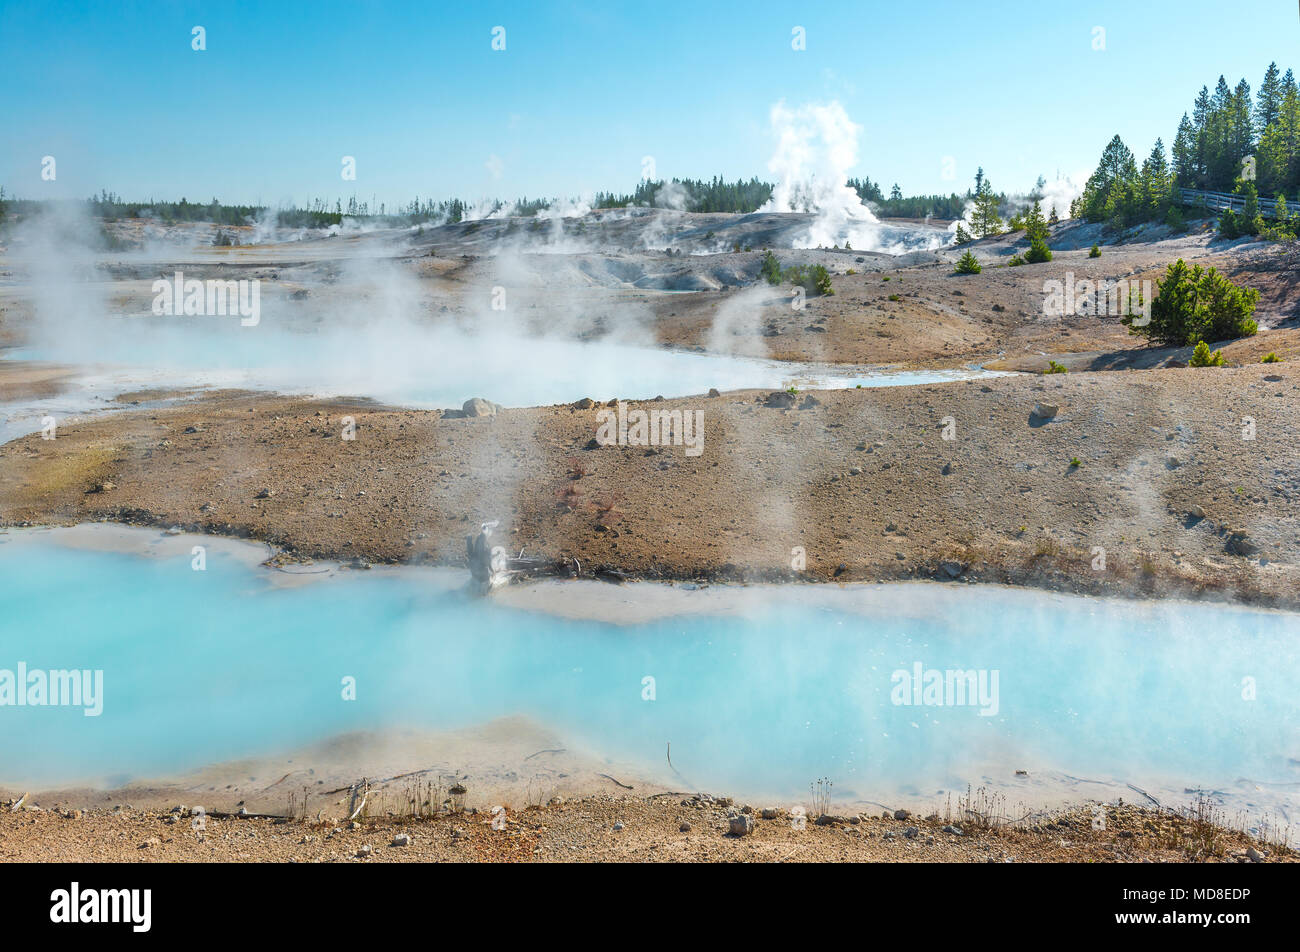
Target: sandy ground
(672,828)
(863,481)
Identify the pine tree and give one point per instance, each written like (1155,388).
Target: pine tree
(1111,193)
(1155,181)
(1035,224)
(1184,153)
(895,193)
(1268,99)
(985,219)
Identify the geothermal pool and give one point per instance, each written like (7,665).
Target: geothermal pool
(758,690)
(427,371)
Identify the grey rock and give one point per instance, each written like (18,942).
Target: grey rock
(741,825)
(780,400)
(477,407)
(402,839)
(1045,411)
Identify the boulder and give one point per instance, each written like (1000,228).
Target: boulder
(1045,411)
(478,407)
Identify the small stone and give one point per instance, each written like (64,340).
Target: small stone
(402,839)
(770,813)
(1045,411)
(954,830)
(684,828)
(911,832)
(902,814)
(363,852)
(741,825)
(713,392)
(618,827)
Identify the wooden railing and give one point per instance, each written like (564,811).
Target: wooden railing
(1219,201)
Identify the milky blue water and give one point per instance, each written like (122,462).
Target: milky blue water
(202,667)
(435,370)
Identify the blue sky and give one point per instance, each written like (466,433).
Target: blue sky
(584,90)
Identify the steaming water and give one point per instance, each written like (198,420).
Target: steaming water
(433,371)
(202,667)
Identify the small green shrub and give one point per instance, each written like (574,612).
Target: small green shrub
(1229,226)
(1094,252)
(1201,356)
(1270,358)
(1054,368)
(1194,305)
(968,264)
(1016,261)
(895,297)
(1038,252)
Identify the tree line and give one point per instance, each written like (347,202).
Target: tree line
(1230,142)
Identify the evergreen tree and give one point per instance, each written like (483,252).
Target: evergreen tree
(895,193)
(1155,182)
(1268,99)
(1184,152)
(1112,192)
(985,220)
(1035,224)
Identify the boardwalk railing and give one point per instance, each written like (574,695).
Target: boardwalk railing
(1219,201)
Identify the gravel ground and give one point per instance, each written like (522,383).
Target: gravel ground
(673,828)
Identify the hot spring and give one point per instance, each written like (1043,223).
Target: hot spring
(758,690)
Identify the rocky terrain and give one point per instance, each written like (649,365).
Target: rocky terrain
(671,828)
(1153,466)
